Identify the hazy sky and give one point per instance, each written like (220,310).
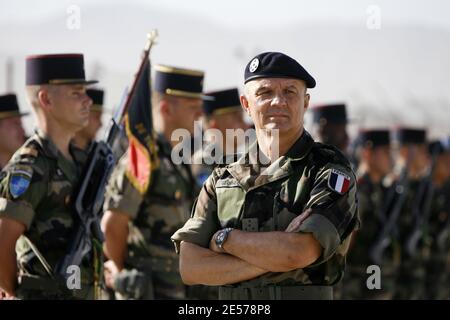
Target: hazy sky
(257,13)
(378,65)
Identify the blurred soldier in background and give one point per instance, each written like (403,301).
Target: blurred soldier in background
(412,159)
(138,227)
(36,187)
(438,266)
(12,135)
(222,110)
(330,125)
(375,164)
(84,138)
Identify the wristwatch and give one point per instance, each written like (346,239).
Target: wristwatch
(221,237)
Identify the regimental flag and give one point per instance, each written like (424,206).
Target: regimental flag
(338,181)
(139,128)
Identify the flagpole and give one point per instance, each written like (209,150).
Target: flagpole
(151,40)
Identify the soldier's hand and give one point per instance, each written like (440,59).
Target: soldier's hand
(295,224)
(110,272)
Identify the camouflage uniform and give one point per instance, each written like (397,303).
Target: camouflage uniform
(241,196)
(35,189)
(437,276)
(371,197)
(154,217)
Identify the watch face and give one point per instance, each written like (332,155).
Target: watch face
(220,236)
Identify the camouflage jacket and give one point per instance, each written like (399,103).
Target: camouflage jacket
(155,216)
(245,196)
(36,188)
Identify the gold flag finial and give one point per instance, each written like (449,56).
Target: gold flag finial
(151,39)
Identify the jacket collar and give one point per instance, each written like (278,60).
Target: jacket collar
(250,173)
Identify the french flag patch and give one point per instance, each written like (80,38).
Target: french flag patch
(338,181)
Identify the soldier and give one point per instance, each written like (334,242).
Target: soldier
(84,138)
(437,278)
(222,110)
(375,164)
(330,125)
(36,186)
(11,130)
(269,226)
(412,156)
(146,267)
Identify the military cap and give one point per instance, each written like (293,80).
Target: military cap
(276,65)
(410,135)
(374,137)
(97,99)
(220,102)
(179,82)
(330,113)
(9,107)
(56,69)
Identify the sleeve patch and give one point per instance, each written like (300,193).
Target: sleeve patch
(20,180)
(338,181)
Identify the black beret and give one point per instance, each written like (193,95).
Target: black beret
(9,107)
(220,102)
(410,135)
(97,99)
(330,113)
(56,69)
(374,137)
(179,82)
(276,65)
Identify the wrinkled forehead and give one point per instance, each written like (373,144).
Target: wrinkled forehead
(65,88)
(186,102)
(73,86)
(272,83)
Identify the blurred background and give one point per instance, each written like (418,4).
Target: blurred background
(388,60)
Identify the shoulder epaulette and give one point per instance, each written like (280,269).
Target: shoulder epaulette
(331,153)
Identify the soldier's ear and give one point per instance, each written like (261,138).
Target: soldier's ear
(164,108)
(213,123)
(244,103)
(306,103)
(44,99)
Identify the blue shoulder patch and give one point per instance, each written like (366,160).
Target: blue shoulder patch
(19,181)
